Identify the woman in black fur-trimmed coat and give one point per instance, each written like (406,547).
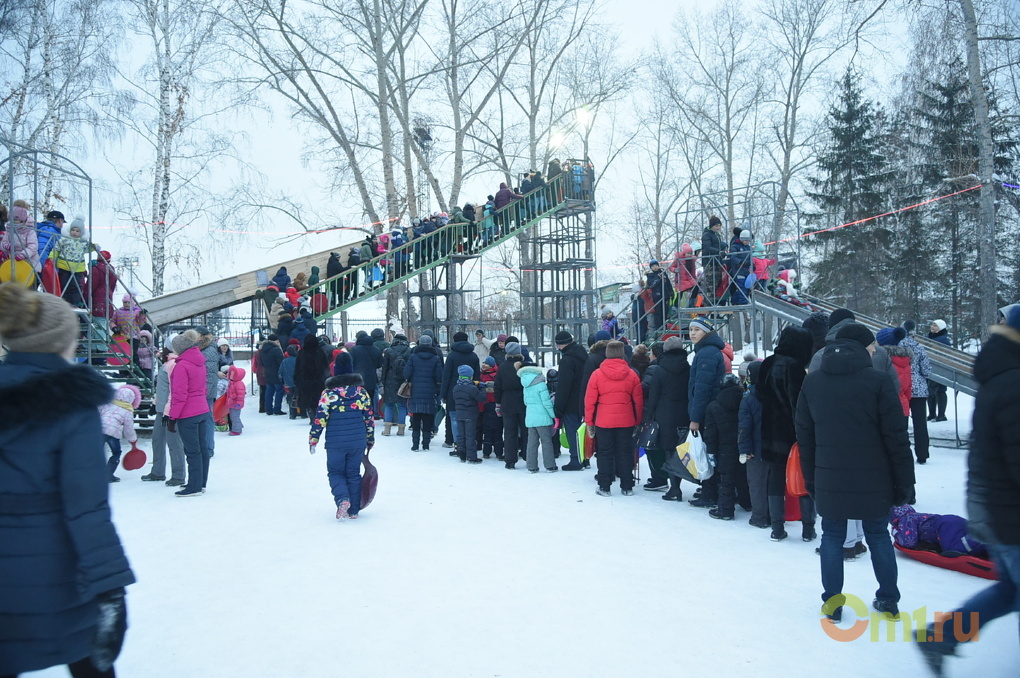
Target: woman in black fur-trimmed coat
(62,567)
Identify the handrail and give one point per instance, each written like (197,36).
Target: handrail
(429,250)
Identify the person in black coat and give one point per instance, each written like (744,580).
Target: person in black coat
(285,328)
(567,403)
(334,267)
(993,482)
(462,352)
(63,567)
(310,373)
(720,431)
(779,384)
(856,459)
(665,387)
(367,359)
(394,407)
(657,280)
(425,372)
(270,358)
(713,247)
(498,349)
(510,406)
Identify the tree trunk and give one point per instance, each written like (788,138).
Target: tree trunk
(988,280)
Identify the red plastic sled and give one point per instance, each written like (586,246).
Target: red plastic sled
(220,409)
(134,459)
(977,567)
(50,279)
(369,481)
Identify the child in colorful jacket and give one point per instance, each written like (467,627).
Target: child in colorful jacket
(145,352)
(70,256)
(346,418)
(235,398)
(118,420)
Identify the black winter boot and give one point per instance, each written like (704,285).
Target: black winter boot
(777,509)
(807,518)
(674,493)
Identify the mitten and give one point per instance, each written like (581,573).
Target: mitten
(311,449)
(556,424)
(165,421)
(743,459)
(111,625)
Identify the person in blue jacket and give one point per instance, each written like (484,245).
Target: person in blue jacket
(281,279)
(346,418)
(62,566)
(48,233)
(740,267)
(425,372)
(707,371)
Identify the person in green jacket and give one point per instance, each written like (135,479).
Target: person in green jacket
(539,417)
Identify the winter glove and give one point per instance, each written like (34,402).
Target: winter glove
(172,426)
(311,449)
(556,424)
(111,625)
(165,421)
(499,410)
(743,458)
(152,410)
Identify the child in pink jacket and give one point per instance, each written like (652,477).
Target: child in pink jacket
(235,398)
(119,422)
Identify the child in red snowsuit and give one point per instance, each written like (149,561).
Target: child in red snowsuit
(235,398)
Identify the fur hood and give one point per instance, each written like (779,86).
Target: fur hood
(73,388)
(599,346)
(899,352)
(130,394)
(342,380)
(529,374)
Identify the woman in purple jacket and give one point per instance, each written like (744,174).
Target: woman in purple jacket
(189,411)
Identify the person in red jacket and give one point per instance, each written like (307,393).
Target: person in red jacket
(235,398)
(890,337)
(613,404)
(189,410)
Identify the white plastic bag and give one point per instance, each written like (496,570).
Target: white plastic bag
(696,460)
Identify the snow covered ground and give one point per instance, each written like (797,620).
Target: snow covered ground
(459,570)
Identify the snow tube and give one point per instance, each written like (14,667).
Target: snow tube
(977,567)
(369,482)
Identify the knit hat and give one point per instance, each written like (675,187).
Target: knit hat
(1012,316)
(106,255)
(513,348)
(460,336)
(126,297)
(603,335)
(425,340)
(909,326)
(79,223)
(343,364)
(273,337)
(839,315)
(653,262)
(746,235)
(34,322)
(222,342)
(941,324)
(202,329)
(501,337)
(19,214)
(182,342)
(292,350)
(758,249)
(856,332)
(490,361)
(563,337)
(714,221)
(703,324)
(465,371)
(657,348)
(890,336)
(614,350)
(817,324)
(672,344)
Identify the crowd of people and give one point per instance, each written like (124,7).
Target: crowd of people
(382,258)
(61,258)
(713,272)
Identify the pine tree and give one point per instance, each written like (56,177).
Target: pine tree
(852,262)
